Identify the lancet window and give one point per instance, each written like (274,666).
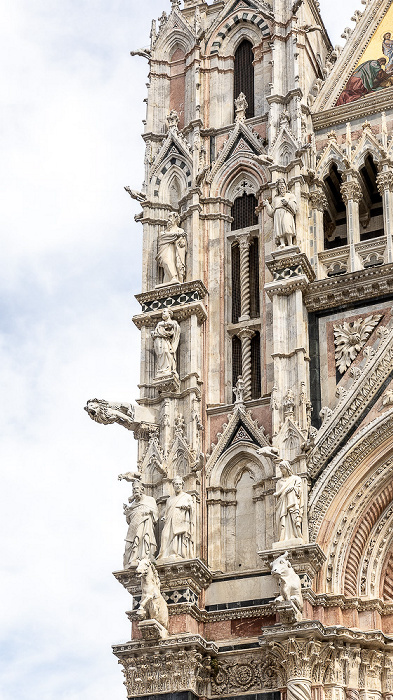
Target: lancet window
(370,206)
(178,84)
(334,218)
(245,303)
(244,75)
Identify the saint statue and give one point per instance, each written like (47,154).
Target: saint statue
(141,516)
(177,536)
(283,211)
(289,498)
(172,249)
(166,337)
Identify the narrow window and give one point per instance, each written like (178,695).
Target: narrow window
(371,206)
(335,218)
(236,359)
(236,308)
(177,85)
(244,75)
(243,212)
(256,366)
(254,278)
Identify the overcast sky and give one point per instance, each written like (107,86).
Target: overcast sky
(69,267)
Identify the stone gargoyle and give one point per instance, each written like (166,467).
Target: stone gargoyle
(107,412)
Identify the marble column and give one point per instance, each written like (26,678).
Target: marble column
(318,204)
(244,248)
(245,336)
(352,194)
(385,188)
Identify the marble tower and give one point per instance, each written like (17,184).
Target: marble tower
(259,528)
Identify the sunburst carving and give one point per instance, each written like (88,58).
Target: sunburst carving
(350,338)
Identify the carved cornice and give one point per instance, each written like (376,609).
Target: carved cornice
(138,647)
(192,573)
(305,559)
(183,304)
(354,110)
(291,270)
(352,287)
(160,294)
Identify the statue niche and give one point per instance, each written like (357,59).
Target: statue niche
(172,249)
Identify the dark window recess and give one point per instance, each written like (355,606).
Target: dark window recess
(235,283)
(254,278)
(371,206)
(244,75)
(256,366)
(236,359)
(335,218)
(243,212)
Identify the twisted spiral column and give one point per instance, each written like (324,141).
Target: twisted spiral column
(245,336)
(244,247)
(299,689)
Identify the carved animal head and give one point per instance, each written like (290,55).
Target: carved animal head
(98,410)
(143,568)
(281,566)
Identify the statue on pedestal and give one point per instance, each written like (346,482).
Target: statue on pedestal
(172,249)
(141,516)
(177,535)
(283,211)
(289,499)
(166,337)
(153,605)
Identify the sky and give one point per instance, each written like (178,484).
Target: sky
(71,118)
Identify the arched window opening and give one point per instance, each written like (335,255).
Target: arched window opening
(244,75)
(254,278)
(335,217)
(236,359)
(245,550)
(256,366)
(236,299)
(371,206)
(243,212)
(174,193)
(177,89)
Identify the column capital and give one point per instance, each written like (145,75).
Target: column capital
(351,191)
(318,200)
(246,333)
(244,240)
(385,181)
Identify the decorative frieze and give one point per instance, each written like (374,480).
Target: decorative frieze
(184,299)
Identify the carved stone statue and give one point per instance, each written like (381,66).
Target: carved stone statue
(141,516)
(238,390)
(177,535)
(289,581)
(172,249)
(152,605)
(289,499)
(241,106)
(166,337)
(283,211)
(107,412)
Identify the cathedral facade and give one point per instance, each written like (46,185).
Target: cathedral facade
(259,528)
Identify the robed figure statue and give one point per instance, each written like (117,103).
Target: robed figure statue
(289,499)
(141,516)
(166,337)
(283,211)
(177,534)
(172,249)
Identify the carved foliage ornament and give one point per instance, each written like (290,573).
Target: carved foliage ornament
(243,675)
(350,338)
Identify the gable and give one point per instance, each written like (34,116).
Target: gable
(357,73)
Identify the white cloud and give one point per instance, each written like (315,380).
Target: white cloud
(70,262)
